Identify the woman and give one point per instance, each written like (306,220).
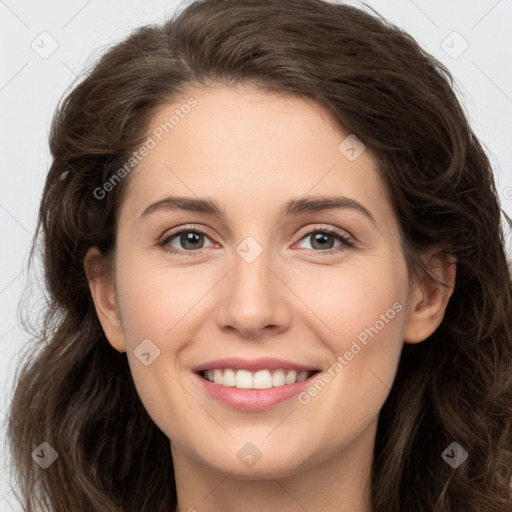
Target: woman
(367,371)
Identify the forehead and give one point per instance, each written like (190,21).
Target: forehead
(250,149)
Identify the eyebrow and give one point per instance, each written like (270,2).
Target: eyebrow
(295,206)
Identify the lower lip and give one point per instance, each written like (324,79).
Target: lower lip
(254,399)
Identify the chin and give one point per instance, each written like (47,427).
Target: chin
(270,466)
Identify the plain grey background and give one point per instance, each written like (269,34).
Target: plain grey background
(47,44)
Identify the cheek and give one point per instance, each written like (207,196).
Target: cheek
(357,300)
(360,313)
(160,308)
(157,301)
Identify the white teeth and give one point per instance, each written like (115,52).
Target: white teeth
(278,378)
(243,379)
(217,376)
(291,377)
(229,378)
(262,379)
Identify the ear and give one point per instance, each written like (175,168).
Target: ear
(102,290)
(429,299)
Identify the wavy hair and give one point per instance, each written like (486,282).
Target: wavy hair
(78,393)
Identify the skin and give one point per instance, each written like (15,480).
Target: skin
(251,151)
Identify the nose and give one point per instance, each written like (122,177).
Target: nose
(255,299)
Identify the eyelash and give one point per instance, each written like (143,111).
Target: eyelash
(346,241)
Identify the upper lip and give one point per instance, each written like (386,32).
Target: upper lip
(264,363)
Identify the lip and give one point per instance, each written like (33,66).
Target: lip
(254,365)
(253,399)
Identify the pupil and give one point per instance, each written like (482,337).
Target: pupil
(318,239)
(190,238)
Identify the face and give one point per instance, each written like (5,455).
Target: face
(247,285)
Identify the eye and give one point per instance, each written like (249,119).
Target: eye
(322,240)
(191,241)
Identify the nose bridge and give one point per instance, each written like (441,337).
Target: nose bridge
(251,275)
(253,299)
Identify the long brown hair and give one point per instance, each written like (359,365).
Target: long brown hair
(78,394)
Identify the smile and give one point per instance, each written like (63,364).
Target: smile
(253,385)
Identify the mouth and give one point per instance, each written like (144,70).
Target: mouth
(253,385)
